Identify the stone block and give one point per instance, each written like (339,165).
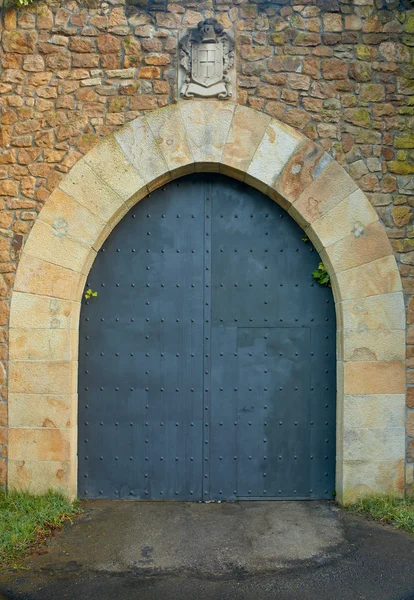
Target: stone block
(381,377)
(374,444)
(364,478)
(169,131)
(67,217)
(350,216)
(42,344)
(355,250)
(328,190)
(374,411)
(278,144)
(42,377)
(301,170)
(31,311)
(38,477)
(36,276)
(109,162)
(43,444)
(65,252)
(246,132)
(371,279)
(42,410)
(207,125)
(143,151)
(83,185)
(372,344)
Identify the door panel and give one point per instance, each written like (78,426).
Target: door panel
(141,353)
(207,361)
(282,357)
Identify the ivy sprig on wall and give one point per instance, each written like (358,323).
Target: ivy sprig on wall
(321,275)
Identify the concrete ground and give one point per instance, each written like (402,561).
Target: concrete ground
(246,550)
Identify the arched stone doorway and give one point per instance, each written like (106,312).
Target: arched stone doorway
(296,173)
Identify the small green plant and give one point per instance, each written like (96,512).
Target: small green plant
(321,275)
(27,520)
(90,294)
(398,512)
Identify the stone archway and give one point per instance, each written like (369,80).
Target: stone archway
(293,171)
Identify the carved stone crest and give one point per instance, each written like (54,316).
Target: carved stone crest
(207,55)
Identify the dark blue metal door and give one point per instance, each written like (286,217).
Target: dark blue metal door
(207,361)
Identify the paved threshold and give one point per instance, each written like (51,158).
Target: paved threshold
(244,550)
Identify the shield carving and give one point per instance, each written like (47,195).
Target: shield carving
(207,63)
(207,55)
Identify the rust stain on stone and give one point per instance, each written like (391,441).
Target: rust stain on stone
(364,354)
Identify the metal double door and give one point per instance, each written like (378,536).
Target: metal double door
(207,360)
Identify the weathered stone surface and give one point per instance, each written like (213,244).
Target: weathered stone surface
(381,312)
(348,217)
(364,478)
(41,344)
(207,126)
(278,144)
(43,244)
(30,410)
(40,444)
(109,162)
(41,377)
(302,168)
(371,92)
(169,131)
(42,312)
(332,186)
(142,150)
(381,377)
(357,248)
(402,215)
(369,345)
(374,411)
(36,276)
(67,217)
(84,186)
(20,42)
(40,476)
(246,133)
(374,278)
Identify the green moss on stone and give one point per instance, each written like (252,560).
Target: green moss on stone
(405,142)
(409,22)
(361,116)
(363,52)
(402,155)
(400,167)
(406,110)
(403,245)
(278,39)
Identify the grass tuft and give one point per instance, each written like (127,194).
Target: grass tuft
(387,509)
(27,520)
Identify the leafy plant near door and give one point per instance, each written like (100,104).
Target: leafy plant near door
(320,274)
(90,294)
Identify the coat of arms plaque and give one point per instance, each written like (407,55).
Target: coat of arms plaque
(207,55)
